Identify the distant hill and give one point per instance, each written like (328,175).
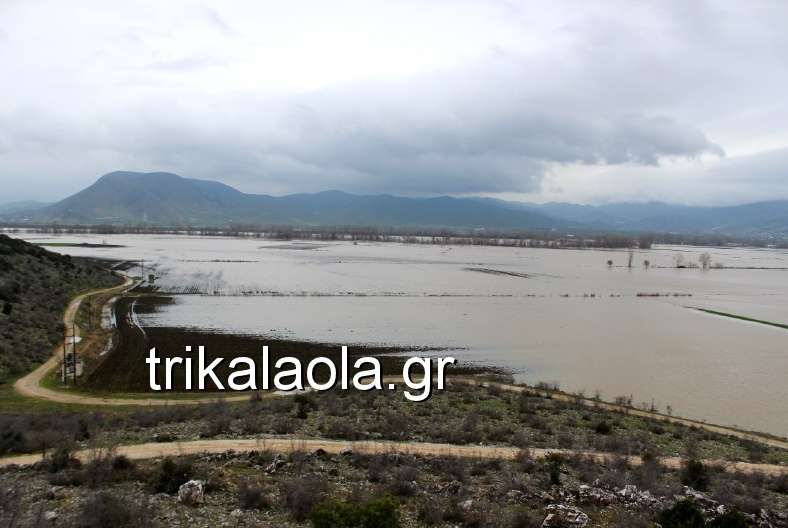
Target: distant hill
(26,205)
(753,219)
(167,199)
(747,220)
(162,198)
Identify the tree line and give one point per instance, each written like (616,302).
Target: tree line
(414,235)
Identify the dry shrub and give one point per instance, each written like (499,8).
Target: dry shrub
(301,493)
(115,509)
(252,496)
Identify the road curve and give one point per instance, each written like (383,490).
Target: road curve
(30,384)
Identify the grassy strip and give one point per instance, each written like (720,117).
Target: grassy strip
(75,244)
(742,318)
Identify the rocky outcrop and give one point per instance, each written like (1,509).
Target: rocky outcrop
(561,516)
(191,493)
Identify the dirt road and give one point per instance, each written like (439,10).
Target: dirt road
(30,385)
(287,445)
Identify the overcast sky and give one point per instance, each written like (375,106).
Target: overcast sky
(590,102)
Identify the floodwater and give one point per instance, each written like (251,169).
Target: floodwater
(545,314)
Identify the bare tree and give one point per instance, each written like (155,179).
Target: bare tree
(705,260)
(646,264)
(630,257)
(678,260)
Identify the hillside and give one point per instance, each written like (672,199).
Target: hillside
(35,287)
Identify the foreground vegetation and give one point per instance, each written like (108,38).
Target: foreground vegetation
(439,490)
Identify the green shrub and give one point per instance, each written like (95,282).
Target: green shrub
(171,475)
(554,463)
(684,514)
(62,458)
(731,519)
(693,474)
(603,427)
(122,463)
(382,512)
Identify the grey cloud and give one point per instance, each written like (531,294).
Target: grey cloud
(217,21)
(473,138)
(443,133)
(185,64)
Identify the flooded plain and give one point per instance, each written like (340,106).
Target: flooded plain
(544,314)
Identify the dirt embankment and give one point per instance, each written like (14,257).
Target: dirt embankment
(288,445)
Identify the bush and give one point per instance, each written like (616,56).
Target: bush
(218,417)
(62,458)
(779,483)
(693,474)
(382,512)
(554,462)
(251,497)
(300,494)
(603,427)
(731,519)
(431,510)
(122,463)
(171,475)
(109,509)
(684,514)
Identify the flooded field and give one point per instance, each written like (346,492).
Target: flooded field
(544,314)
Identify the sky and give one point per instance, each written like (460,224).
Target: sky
(682,101)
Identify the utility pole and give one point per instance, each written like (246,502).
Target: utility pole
(74,349)
(65,329)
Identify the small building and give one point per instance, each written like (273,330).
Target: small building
(71,365)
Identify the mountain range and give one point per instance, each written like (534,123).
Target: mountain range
(162,198)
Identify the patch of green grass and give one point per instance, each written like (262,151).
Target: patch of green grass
(11,402)
(742,318)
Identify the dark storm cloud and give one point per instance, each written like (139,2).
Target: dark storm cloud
(445,133)
(451,133)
